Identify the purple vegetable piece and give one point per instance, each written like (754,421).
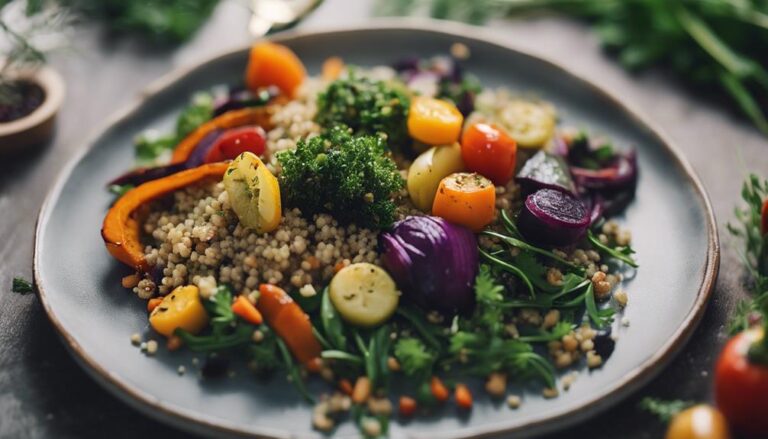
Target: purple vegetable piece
(142,175)
(545,171)
(553,218)
(197,157)
(620,174)
(241,98)
(433,261)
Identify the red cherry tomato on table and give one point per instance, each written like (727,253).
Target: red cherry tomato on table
(741,386)
(489,151)
(236,141)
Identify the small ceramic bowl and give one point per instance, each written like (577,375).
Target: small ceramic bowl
(36,127)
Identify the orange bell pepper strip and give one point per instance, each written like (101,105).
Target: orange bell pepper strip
(244,309)
(289,322)
(261,116)
(121,228)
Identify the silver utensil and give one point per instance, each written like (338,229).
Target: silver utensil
(274,15)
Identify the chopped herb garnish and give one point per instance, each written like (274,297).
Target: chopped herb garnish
(664,410)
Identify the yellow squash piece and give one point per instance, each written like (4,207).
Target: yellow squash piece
(364,294)
(530,124)
(429,169)
(182,308)
(254,193)
(434,121)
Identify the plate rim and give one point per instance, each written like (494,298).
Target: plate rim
(185,420)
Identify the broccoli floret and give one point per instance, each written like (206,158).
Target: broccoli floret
(348,176)
(368,107)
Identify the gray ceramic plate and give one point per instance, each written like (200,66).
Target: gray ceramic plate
(79,283)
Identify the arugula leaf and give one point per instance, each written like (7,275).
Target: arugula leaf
(600,317)
(506,266)
(331,321)
(427,331)
(293,371)
(219,307)
(620,253)
(22,286)
(216,342)
(557,332)
(415,359)
(664,410)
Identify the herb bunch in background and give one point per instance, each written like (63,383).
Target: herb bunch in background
(713,43)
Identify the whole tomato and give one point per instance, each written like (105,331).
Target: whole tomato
(488,150)
(741,386)
(236,141)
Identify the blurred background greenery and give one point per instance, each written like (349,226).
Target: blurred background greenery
(719,46)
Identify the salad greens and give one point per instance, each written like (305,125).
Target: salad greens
(22,286)
(150,145)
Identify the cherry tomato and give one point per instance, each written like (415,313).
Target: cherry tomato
(698,422)
(764,218)
(236,141)
(741,386)
(488,150)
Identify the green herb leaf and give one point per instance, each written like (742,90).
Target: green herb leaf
(332,323)
(22,286)
(664,410)
(415,359)
(620,253)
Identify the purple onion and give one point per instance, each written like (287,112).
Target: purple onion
(433,262)
(197,156)
(620,174)
(241,98)
(545,171)
(553,218)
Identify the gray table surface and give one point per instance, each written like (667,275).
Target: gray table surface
(44,393)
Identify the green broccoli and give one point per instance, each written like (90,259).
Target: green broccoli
(348,176)
(368,107)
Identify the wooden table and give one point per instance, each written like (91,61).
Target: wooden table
(44,393)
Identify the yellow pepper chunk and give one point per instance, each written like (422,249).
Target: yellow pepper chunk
(434,121)
(182,308)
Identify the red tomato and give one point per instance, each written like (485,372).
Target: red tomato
(741,386)
(489,151)
(236,141)
(764,218)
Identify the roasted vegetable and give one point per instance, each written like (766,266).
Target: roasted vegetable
(531,124)
(367,107)
(466,199)
(274,64)
(489,151)
(553,218)
(253,193)
(289,322)
(434,121)
(545,171)
(121,228)
(235,141)
(364,294)
(347,176)
(433,261)
(429,169)
(181,309)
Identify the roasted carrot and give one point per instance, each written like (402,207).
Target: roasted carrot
(407,406)
(466,199)
(362,390)
(243,308)
(463,396)
(153,302)
(289,321)
(121,230)
(438,389)
(314,365)
(274,64)
(345,386)
(174,343)
(261,116)
(332,68)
